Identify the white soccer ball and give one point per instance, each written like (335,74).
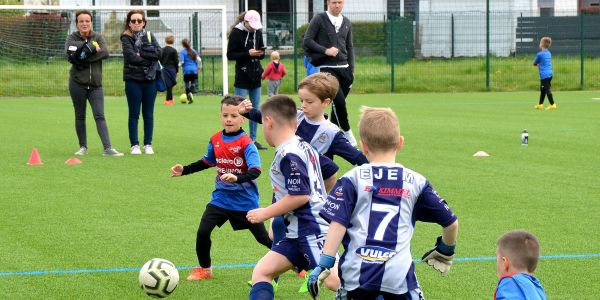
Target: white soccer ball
(159,278)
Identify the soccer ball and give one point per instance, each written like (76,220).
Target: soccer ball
(158,278)
(183,98)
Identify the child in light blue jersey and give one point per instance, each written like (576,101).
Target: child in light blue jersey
(543,60)
(372,211)
(517,255)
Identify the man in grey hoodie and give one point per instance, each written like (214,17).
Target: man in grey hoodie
(85,51)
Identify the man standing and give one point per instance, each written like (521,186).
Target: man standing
(328,44)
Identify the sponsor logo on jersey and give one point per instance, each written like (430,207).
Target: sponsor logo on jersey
(274,170)
(236,149)
(238,161)
(375,254)
(323,138)
(217,145)
(339,192)
(371,188)
(293,166)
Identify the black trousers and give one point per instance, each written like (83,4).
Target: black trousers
(339,112)
(216,216)
(80,95)
(545,90)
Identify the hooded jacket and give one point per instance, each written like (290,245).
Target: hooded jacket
(87,73)
(247,68)
(138,59)
(321,35)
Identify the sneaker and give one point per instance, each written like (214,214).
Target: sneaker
(539,106)
(259,146)
(112,152)
(168,102)
(199,274)
(348,134)
(551,107)
(190,98)
(82,151)
(148,149)
(135,150)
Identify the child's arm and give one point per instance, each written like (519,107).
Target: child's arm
(341,146)
(207,161)
(537,59)
(267,71)
(283,70)
(252,161)
(282,206)
(245,109)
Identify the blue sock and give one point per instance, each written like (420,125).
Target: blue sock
(262,291)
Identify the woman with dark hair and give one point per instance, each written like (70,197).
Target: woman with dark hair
(191,64)
(247,48)
(141,53)
(85,50)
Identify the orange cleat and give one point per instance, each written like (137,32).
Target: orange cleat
(301,274)
(200,273)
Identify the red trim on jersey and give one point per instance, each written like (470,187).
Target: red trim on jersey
(500,279)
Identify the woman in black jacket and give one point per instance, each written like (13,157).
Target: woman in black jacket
(141,53)
(247,48)
(85,51)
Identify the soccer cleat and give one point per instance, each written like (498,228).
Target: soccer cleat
(200,273)
(82,151)
(551,107)
(301,274)
(539,106)
(135,150)
(148,149)
(168,102)
(112,152)
(190,98)
(259,146)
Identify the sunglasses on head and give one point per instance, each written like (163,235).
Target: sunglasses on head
(136,21)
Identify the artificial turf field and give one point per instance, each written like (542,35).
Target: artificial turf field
(81,231)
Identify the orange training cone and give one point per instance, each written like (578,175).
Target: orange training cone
(35,159)
(73,161)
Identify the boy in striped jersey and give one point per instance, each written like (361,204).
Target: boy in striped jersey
(372,211)
(299,195)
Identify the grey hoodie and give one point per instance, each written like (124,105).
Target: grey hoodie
(89,73)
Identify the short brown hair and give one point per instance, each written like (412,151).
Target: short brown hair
(379,128)
(323,85)
(232,100)
(169,39)
(281,108)
(546,42)
(522,248)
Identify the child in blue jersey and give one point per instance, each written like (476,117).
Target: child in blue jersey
(298,194)
(372,211)
(191,64)
(517,255)
(543,60)
(237,161)
(310,69)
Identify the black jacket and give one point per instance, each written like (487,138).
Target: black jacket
(136,61)
(169,58)
(247,68)
(87,73)
(321,35)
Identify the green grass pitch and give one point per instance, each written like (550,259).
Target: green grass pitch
(119,212)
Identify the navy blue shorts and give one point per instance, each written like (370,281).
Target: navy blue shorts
(303,252)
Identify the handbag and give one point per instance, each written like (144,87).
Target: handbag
(157,73)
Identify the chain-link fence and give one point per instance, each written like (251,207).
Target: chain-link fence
(426,52)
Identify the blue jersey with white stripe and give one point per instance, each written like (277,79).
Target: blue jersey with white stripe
(379,205)
(327,138)
(296,171)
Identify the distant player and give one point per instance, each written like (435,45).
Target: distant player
(372,211)
(237,161)
(517,255)
(274,73)
(299,195)
(543,60)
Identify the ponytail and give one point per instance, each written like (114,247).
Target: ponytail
(186,44)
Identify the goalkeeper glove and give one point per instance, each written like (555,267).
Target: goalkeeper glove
(86,51)
(440,257)
(316,277)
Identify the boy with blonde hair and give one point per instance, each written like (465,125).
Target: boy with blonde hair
(543,60)
(298,195)
(517,255)
(372,211)
(274,72)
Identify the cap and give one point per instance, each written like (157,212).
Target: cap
(253,18)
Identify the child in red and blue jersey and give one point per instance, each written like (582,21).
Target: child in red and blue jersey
(543,60)
(517,255)
(237,161)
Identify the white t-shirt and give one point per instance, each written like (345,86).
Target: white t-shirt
(336,21)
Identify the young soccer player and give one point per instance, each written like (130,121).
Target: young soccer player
(517,255)
(238,165)
(299,194)
(543,60)
(372,210)
(274,72)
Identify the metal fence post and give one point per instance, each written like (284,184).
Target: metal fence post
(487,44)
(452,34)
(391,29)
(295,34)
(581,44)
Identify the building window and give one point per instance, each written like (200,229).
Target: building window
(149,13)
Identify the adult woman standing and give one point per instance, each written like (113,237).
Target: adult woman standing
(141,52)
(85,50)
(247,48)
